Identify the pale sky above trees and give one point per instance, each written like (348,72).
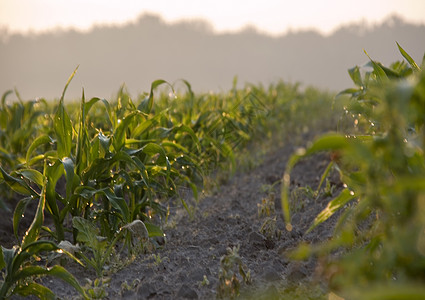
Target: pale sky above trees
(271,16)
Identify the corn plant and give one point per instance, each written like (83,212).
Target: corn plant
(19,268)
(20,122)
(382,166)
(101,249)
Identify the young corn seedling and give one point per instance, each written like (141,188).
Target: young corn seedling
(267,206)
(269,229)
(266,209)
(231,269)
(101,249)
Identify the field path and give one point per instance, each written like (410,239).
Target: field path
(187,266)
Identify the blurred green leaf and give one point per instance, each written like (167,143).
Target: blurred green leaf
(380,73)
(154,230)
(105,141)
(41,140)
(356,76)
(67,83)
(409,59)
(334,205)
(152,149)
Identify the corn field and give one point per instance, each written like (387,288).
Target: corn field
(99,173)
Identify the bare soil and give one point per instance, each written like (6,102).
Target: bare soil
(187,265)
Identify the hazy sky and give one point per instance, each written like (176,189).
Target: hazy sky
(272,16)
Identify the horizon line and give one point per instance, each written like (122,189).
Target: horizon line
(208,26)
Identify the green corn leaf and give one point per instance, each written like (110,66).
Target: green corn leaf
(8,256)
(6,156)
(324,176)
(324,143)
(189,88)
(68,82)
(63,129)
(88,105)
(97,169)
(406,290)
(34,230)
(19,213)
(87,231)
(327,142)
(193,186)
(31,271)
(17,184)
(56,271)
(105,141)
(3,99)
(39,246)
(85,191)
(32,175)
(187,129)
(146,125)
(72,179)
(28,250)
(409,59)
(41,140)
(88,234)
(380,73)
(95,151)
(146,105)
(389,73)
(62,273)
(34,289)
(2,262)
(137,229)
(356,76)
(53,172)
(152,149)
(103,166)
(82,140)
(153,230)
(62,124)
(118,203)
(175,146)
(334,205)
(121,130)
